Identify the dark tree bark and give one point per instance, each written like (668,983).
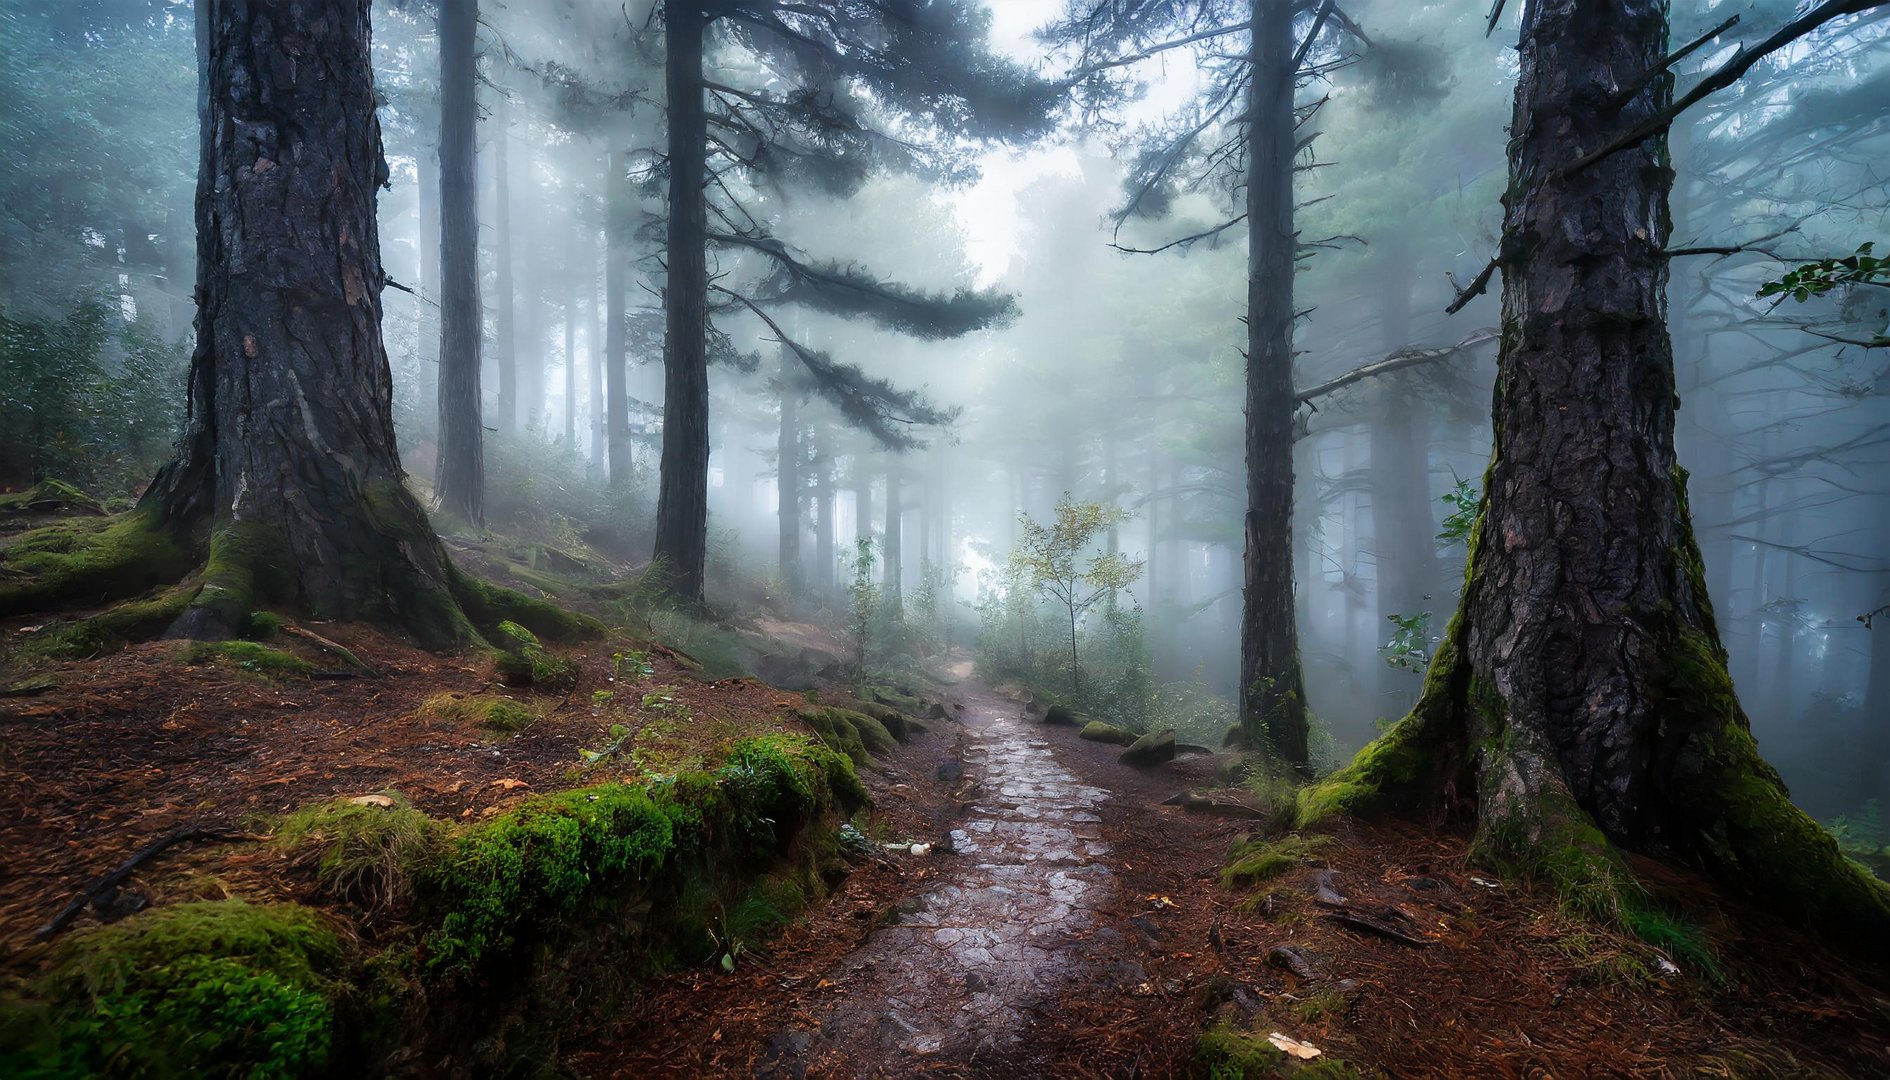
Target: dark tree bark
(504,313)
(1272,691)
(788,475)
(288,470)
(682,504)
(460,482)
(1581,693)
(617,379)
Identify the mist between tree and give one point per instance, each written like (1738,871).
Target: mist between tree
(1113,352)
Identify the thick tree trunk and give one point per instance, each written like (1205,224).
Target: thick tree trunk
(1582,692)
(289,468)
(788,475)
(1272,693)
(504,321)
(682,505)
(460,483)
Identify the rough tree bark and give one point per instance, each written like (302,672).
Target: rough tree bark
(288,470)
(1581,694)
(1272,690)
(682,504)
(460,481)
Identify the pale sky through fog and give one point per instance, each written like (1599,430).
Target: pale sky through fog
(988,209)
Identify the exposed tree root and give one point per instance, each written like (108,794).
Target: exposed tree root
(211,593)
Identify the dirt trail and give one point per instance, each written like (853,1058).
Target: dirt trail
(975,958)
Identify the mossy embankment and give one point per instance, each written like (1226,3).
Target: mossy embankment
(473,946)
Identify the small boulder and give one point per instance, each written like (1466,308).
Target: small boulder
(1064,716)
(1105,732)
(1151,749)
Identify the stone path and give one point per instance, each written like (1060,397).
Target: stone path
(990,943)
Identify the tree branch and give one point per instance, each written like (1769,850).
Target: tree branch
(1725,75)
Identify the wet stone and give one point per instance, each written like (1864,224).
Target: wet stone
(995,938)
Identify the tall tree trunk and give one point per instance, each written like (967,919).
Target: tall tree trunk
(1272,690)
(862,500)
(1403,539)
(616,374)
(427,206)
(682,505)
(895,527)
(1582,692)
(1873,758)
(578,280)
(504,322)
(288,469)
(788,475)
(823,521)
(460,483)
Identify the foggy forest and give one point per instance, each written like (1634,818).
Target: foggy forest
(976,538)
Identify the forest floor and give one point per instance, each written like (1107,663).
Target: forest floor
(1065,921)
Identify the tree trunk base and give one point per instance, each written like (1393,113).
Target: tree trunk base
(1457,754)
(210,593)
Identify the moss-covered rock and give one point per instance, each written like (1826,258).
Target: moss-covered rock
(854,734)
(1254,860)
(524,662)
(218,988)
(1151,749)
(1061,715)
(1104,732)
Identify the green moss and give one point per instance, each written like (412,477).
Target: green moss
(249,656)
(113,628)
(489,605)
(535,866)
(222,988)
(248,564)
(369,854)
(88,561)
(1223,1053)
(1380,772)
(50,497)
(1320,1004)
(1681,939)
(854,734)
(491,711)
(1255,861)
(263,625)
